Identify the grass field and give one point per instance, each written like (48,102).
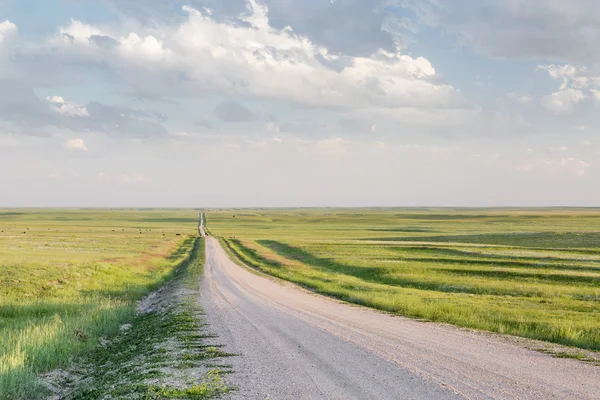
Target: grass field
(533,273)
(70,277)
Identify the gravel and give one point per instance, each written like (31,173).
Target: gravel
(294,344)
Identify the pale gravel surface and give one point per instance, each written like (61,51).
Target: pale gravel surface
(297,345)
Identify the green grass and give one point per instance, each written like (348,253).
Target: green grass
(533,273)
(167,352)
(71,277)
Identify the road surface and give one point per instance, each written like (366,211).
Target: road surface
(294,344)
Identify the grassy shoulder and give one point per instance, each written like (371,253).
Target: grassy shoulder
(537,286)
(70,279)
(166,351)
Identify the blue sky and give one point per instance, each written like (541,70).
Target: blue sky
(299,103)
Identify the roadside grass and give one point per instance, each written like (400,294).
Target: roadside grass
(541,280)
(71,277)
(166,352)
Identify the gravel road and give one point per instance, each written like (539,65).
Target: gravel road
(297,345)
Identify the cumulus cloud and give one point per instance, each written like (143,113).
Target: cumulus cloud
(232,111)
(68,109)
(563,101)
(202,56)
(76,144)
(353,27)
(577,84)
(8,31)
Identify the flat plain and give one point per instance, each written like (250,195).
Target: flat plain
(70,278)
(533,273)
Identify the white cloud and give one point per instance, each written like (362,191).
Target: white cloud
(76,32)
(570,165)
(68,109)
(140,50)
(272,126)
(575,165)
(253,59)
(563,101)
(558,148)
(577,84)
(8,31)
(76,144)
(523,98)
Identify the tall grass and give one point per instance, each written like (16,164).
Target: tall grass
(531,273)
(69,278)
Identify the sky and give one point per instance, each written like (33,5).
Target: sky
(296,103)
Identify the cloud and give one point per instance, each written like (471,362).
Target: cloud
(534,29)
(68,109)
(272,126)
(232,111)
(200,56)
(522,98)
(206,124)
(76,144)
(578,83)
(563,101)
(354,27)
(302,127)
(105,42)
(357,125)
(28,114)
(8,31)
(119,121)
(20,107)
(348,27)
(570,165)
(558,148)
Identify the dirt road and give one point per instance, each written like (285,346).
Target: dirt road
(298,345)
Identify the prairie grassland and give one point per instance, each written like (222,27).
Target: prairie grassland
(533,273)
(70,277)
(167,351)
